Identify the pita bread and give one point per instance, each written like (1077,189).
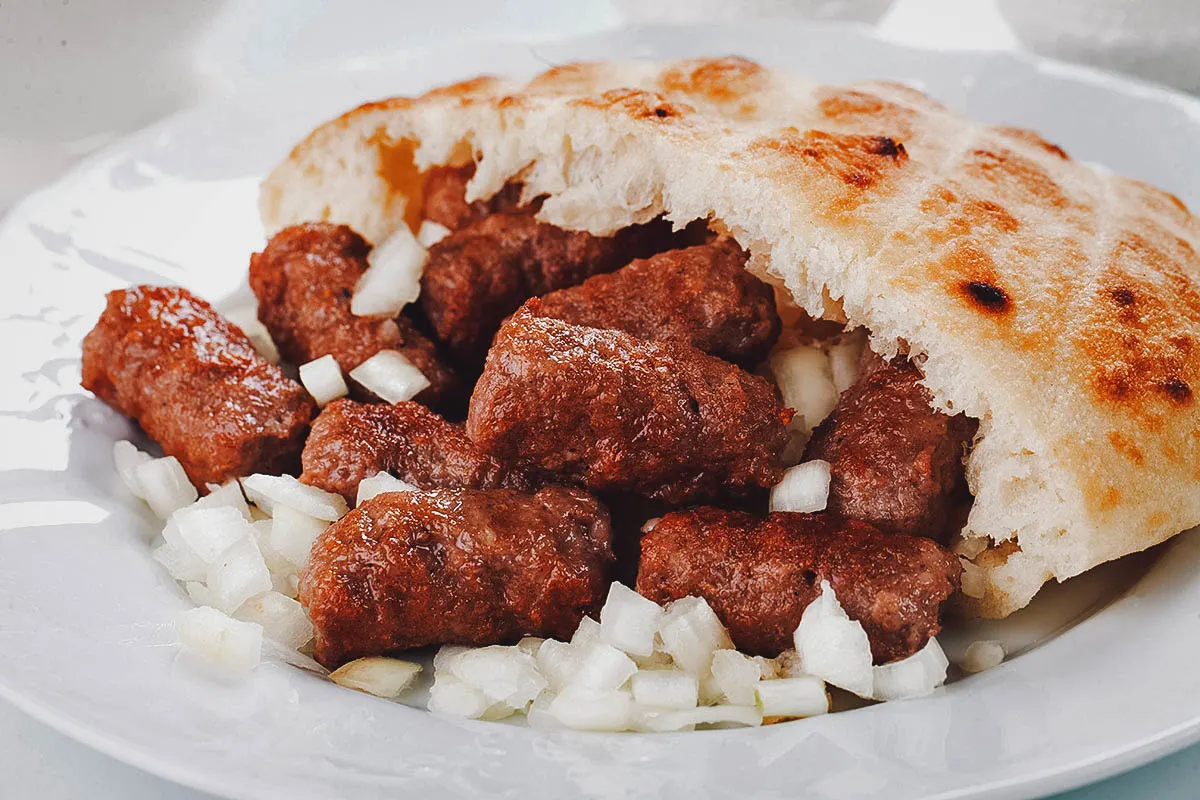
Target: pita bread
(1056,303)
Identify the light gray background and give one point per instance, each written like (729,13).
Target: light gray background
(74,76)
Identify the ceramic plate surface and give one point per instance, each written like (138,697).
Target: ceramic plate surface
(1103,675)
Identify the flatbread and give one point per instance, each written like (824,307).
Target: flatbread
(1057,303)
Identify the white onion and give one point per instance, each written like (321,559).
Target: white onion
(915,676)
(181,563)
(663,721)
(601,666)
(293,534)
(792,697)
(665,688)
(530,645)
(844,357)
(237,575)
(220,639)
(127,458)
(834,647)
(587,632)
(983,655)
(199,593)
(390,376)
(974,580)
(805,384)
(804,488)
(382,677)
(393,276)
(447,654)
(268,491)
(583,708)
(629,621)
(971,546)
(430,233)
(209,532)
(736,676)
(505,675)
(453,698)
(227,495)
(164,485)
(247,319)
(322,378)
(282,619)
(691,633)
(380,483)
(787,664)
(558,662)
(538,714)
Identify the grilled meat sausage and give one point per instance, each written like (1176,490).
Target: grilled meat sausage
(194,383)
(410,569)
(445,198)
(759,574)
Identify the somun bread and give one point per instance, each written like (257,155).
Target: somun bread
(1057,304)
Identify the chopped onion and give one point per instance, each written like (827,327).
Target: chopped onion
(199,593)
(382,677)
(381,483)
(237,575)
(629,621)
(736,676)
(530,645)
(293,534)
(558,662)
(127,458)
(269,491)
(505,675)
(538,714)
(443,660)
(209,532)
(584,708)
(393,277)
(587,632)
(974,579)
(971,546)
(691,633)
(390,376)
(792,697)
(983,655)
(246,318)
(834,647)
(227,495)
(805,384)
(164,485)
(601,666)
(844,357)
(181,563)
(282,619)
(787,664)
(322,378)
(663,721)
(430,233)
(915,676)
(665,688)
(804,488)
(220,639)
(453,698)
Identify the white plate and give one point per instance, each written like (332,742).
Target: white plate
(85,616)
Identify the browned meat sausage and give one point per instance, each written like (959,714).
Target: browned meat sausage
(410,569)
(895,461)
(193,381)
(613,412)
(445,200)
(351,441)
(702,296)
(481,273)
(304,281)
(760,574)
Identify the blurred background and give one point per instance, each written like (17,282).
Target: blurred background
(78,74)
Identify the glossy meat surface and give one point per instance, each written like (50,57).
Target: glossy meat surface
(195,384)
(351,441)
(445,200)
(481,273)
(759,574)
(304,281)
(702,296)
(612,412)
(896,463)
(410,569)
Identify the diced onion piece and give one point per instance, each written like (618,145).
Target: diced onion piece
(280,567)
(971,546)
(246,318)
(282,619)
(656,660)
(787,664)
(453,698)
(209,532)
(269,491)
(237,575)
(430,233)
(629,621)
(199,593)
(293,534)
(805,384)
(584,708)
(736,676)
(844,357)
(443,660)
(181,563)
(834,647)
(390,376)
(915,676)
(974,579)
(381,483)
(393,277)
(504,675)
(538,714)
(587,632)
(382,677)
(220,639)
(665,688)
(792,697)
(227,495)
(804,488)
(127,458)
(983,655)
(650,524)
(663,721)
(601,666)
(322,378)
(558,662)
(530,645)
(766,668)
(691,633)
(165,486)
